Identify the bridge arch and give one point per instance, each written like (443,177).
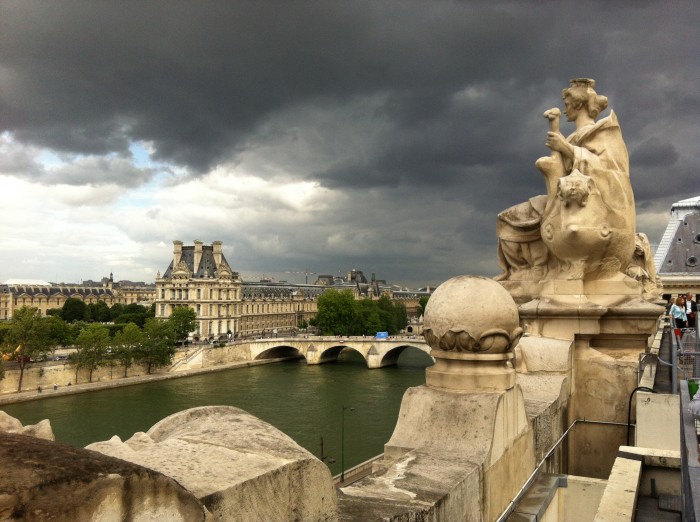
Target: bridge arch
(391,357)
(318,350)
(277,352)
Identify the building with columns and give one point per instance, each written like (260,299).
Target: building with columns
(199,276)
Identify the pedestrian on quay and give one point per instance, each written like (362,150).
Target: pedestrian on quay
(691,309)
(677,312)
(55,386)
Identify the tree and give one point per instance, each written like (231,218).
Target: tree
(58,332)
(116,310)
(369,317)
(132,313)
(98,312)
(337,312)
(126,343)
(393,315)
(183,320)
(422,303)
(27,332)
(91,348)
(157,347)
(74,309)
(400,316)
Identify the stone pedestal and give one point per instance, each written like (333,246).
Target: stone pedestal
(467,425)
(607,343)
(467,372)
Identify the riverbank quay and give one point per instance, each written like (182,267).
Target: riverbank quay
(34,395)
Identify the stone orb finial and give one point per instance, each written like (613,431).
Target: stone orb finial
(471,314)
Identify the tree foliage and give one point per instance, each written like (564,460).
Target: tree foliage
(337,313)
(183,320)
(422,303)
(340,314)
(58,331)
(26,338)
(98,312)
(131,313)
(125,345)
(157,347)
(91,347)
(74,309)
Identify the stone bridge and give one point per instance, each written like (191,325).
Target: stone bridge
(318,350)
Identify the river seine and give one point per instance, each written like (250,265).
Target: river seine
(305,402)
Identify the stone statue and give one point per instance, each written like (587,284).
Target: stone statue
(584,227)
(642,269)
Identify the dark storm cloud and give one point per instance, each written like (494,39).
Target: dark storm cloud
(195,78)
(655,153)
(456,90)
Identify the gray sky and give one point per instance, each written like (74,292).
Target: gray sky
(321,136)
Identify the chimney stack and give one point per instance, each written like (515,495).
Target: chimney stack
(216,248)
(197,255)
(177,252)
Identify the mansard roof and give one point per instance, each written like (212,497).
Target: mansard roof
(53,290)
(206,268)
(679,250)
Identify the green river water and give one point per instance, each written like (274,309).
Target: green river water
(305,402)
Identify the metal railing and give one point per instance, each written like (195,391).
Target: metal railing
(690,465)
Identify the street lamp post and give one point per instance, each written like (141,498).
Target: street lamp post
(342,441)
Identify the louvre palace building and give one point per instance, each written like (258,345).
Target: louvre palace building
(16,293)
(200,277)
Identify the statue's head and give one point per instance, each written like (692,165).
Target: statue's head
(580,95)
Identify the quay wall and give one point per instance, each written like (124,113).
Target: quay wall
(62,373)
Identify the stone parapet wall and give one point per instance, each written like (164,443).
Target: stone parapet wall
(62,374)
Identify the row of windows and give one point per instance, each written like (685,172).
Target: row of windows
(209,310)
(208,293)
(267,308)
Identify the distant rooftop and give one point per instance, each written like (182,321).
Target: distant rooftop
(679,250)
(26,282)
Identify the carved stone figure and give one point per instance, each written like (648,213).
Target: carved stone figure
(584,227)
(642,269)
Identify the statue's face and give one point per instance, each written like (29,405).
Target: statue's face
(570,109)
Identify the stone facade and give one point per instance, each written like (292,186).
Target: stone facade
(45,296)
(199,276)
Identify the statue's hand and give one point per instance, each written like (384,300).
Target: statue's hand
(552,114)
(556,141)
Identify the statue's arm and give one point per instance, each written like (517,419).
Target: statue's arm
(556,141)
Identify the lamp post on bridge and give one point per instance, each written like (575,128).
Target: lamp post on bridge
(342,441)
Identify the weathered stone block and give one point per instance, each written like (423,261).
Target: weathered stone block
(240,467)
(44,480)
